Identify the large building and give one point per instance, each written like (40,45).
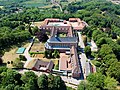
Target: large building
(67,44)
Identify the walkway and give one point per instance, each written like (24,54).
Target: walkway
(80,43)
(26,53)
(82,56)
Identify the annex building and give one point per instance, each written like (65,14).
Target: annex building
(66,44)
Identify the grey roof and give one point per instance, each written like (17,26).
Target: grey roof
(63,40)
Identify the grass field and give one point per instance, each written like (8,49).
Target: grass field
(11,55)
(35,3)
(27,3)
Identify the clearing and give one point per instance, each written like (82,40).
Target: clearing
(11,54)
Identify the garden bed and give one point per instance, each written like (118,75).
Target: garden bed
(37,47)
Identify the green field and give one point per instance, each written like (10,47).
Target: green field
(31,3)
(35,3)
(27,3)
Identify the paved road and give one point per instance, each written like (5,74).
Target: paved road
(80,40)
(26,53)
(82,56)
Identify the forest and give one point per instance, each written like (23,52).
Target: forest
(103,18)
(12,80)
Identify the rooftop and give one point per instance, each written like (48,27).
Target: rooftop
(62,40)
(65,63)
(38,64)
(57,24)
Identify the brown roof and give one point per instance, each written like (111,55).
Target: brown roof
(75,62)
(37,63)
(65,63)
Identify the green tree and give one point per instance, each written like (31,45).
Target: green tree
(35,30)
(96,80)
(17,87)
(105,47)
(101,41)
(23,58)
(30,30)
(27,76)
(31,85)
(3,69)
(59,83)
(17,63)
(114,71)
(110,83)
(51,84)
(118,41)
(82,86)
(21,27)
(10,77)
(43,82)
(56,54)
(42,36)
(10,87)
(30,81)
(87,51)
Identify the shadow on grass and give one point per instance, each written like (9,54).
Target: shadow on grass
(3,64)
(8,48)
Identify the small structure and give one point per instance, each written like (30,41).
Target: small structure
(37,64)
(20,50)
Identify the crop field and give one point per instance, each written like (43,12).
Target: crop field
(27,3)
(32,3)
(35,3)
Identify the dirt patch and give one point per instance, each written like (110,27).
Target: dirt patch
(10,55)
(38,55)
(38,23)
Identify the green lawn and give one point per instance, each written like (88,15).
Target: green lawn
(35,3)
(27,3)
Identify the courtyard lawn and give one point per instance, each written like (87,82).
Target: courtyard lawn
(41,56)
(37,47)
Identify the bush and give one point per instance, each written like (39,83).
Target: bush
(17,63)
(31,53)
(57,66)
(23,58)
